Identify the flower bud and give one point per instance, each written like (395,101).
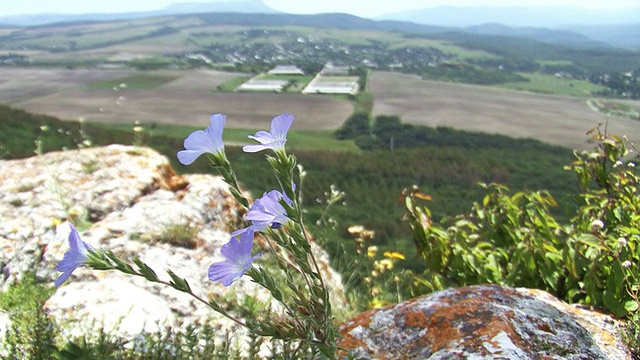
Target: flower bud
(622,242)
(596,225)
(626,264)
(355,229)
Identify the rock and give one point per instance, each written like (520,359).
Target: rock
(483,322)
(128,200)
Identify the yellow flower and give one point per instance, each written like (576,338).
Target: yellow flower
(393,255)
(377,303)
(371,251)
(383,265)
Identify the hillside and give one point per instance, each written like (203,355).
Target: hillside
(96,42)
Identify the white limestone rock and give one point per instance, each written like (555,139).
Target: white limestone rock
(124,198)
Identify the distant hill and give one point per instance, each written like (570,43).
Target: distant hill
(555,25)
(243,6)
(519,48)
(564,37)
(516,16)
(543,24)
(623,36)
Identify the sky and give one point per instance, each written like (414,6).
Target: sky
(363,8)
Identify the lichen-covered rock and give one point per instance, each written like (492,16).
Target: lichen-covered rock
(128,200)
(483,322)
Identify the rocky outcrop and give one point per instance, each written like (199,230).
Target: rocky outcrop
(129,200)
(483,322)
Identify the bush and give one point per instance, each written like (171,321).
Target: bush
(356,125)
(514,240)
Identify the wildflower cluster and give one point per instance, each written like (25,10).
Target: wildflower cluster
(306,318)
(379,277)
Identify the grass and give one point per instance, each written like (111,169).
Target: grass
(137,81)
(615,108)
(31,334)
(550,84)
(362,102)
(34,335)
(232,84)
(307,140)
(182,235)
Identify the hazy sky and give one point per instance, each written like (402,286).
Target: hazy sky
(364,8)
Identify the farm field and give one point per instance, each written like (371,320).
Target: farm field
(188,97)
(554,119)
(187,100)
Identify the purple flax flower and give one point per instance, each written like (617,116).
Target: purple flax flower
(273,139)
(267,212)
(238,259)
(76,256)
(201,141)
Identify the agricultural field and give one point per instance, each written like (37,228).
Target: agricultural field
(554,119)
(187,97)
(550,84)
(170,97)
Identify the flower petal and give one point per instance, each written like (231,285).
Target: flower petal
(254,148)
(201,141)
(187,157)
(267,210)
(275,139)
(225,272)
(237,253)
(75,257)
(262,137)
(62,278)
(236,250)
(280,125)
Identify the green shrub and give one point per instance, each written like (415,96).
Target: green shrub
(515,240)
(356,125)
(31,334)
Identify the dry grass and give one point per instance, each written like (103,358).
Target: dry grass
(559,120)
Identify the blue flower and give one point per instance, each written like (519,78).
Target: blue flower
(238,259)
(201,141)
(274,139)
(76,256)
(266,212)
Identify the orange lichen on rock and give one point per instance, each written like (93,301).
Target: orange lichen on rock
(485,322)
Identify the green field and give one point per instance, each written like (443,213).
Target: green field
(550,84)
(231,84)
(297,140)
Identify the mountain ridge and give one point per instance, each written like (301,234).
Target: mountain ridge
(516,16)
(244,6)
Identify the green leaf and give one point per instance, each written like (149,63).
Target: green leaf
(179,283)
(145,270)
(631,306)
(591,240)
